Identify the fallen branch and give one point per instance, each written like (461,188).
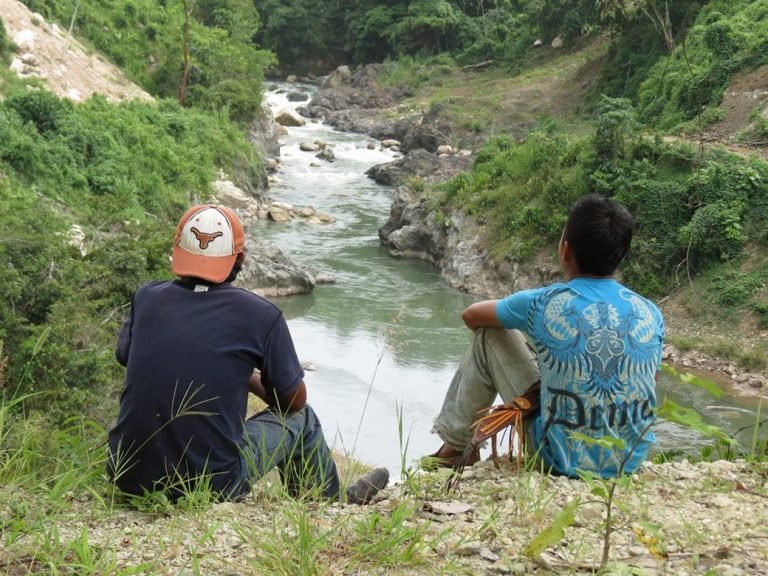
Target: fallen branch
(479,65)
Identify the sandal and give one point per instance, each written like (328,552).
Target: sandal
(447,456)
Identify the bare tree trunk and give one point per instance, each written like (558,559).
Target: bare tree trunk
(71,26)
(663,20)
(187,62)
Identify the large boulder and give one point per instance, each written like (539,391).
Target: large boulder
(343,91)
(269,272)
(429,132)
(289,117)
(342,75)
(456,244)
(263,132)
(420,163)
(407,232)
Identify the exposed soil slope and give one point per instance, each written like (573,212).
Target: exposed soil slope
(64,64)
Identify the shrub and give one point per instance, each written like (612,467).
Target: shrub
(124,173)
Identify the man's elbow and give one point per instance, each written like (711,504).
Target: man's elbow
(295,401)
(469,318)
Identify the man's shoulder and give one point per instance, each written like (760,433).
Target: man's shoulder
(248,298)
(152,286)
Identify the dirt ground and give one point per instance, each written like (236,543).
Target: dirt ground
(64,64)
(746,96)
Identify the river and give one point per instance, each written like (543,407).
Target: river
(386,338)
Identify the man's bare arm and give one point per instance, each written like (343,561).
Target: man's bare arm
(481,314)
(286,403)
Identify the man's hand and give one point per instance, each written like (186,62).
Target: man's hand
(481,314)
(288,403)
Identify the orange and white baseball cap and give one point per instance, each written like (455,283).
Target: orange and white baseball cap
(208,239)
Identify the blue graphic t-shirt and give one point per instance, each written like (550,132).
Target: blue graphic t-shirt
(599,348)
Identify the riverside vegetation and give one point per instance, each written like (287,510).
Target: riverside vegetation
(123,172)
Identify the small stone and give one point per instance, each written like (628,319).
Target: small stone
(722,501)
(470,549)
(488,554)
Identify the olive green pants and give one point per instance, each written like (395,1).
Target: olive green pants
(497,362)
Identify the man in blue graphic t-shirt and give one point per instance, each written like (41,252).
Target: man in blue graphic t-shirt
(595,345)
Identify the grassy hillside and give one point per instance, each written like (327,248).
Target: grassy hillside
(122,173)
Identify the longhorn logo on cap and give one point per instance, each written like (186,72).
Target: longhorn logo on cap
(205,238)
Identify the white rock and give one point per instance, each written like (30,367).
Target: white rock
(537,42)
(17,66)
(29,59)
(278,214)
(445,149)
(74,95)
(557,42)
(230,195)
(390,143)
(289,117)
(77,239)
(24,40)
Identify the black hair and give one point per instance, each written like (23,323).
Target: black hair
(599,231)
(236,268)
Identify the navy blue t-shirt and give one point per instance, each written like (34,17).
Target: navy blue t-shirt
(189,355)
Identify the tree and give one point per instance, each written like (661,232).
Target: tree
(657,11)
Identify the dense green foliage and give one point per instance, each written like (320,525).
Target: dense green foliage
(307,32)
(124,174)
(146,39)
(692,210)
(728,37)
(3,42)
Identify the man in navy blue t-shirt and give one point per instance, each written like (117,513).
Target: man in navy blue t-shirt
(595,345)
(194,348)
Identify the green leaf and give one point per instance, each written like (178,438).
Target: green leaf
(555,532)
(41,340)
(600,491)
(709,385)
(607,442)
(691,419)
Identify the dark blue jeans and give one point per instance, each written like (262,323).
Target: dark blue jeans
(295,443)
